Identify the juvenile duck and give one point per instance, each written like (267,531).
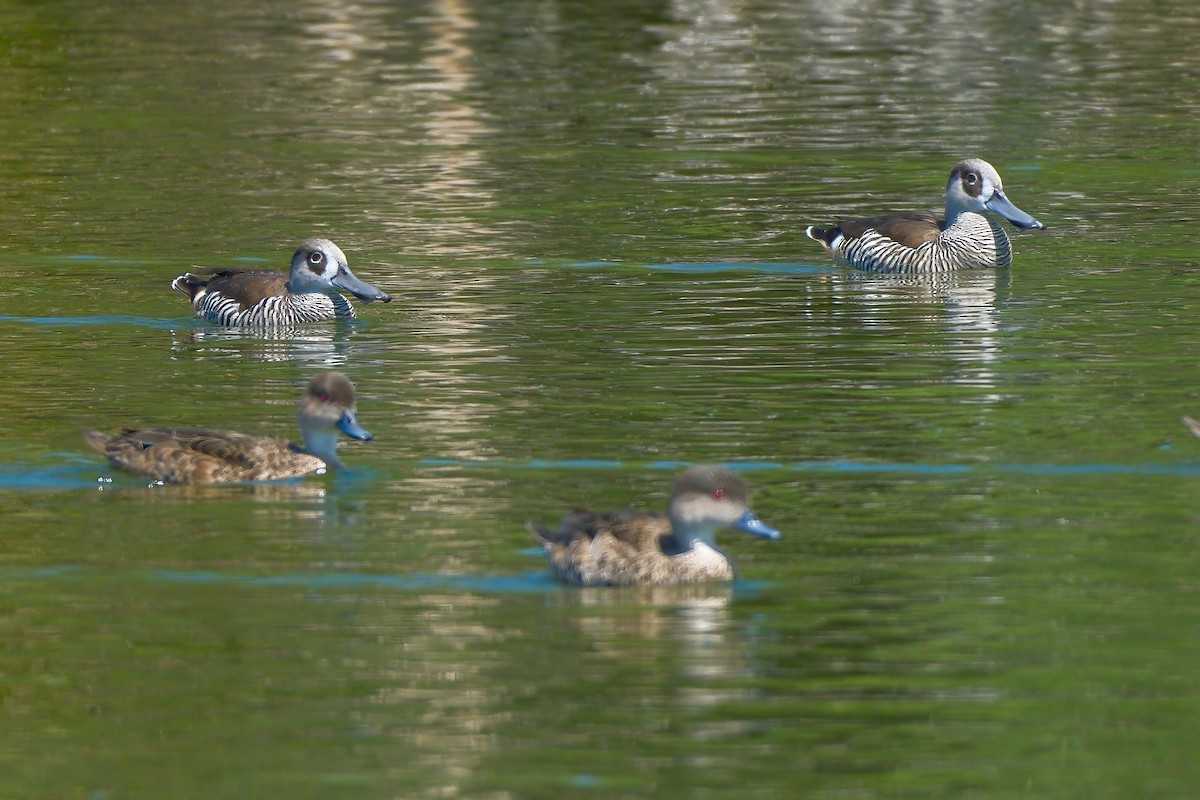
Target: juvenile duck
(970,236)
(629,548)
(195,455)
(311,292)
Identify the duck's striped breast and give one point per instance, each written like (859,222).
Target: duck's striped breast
(285,309)
(974,241)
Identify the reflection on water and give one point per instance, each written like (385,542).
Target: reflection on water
(342,32)
(431,201)
(694,616)
(309,493)
(451,182)
(964,305)
(334,500)
(316,346)
(709,654)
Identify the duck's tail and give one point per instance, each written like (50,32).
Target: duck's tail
(826,236)
(97,441)
(542,535)
(189,285)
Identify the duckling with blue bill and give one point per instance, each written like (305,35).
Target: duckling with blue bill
(310,292)
(630,548)
(969,237)
(204,456)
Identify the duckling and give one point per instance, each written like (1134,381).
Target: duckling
(195,455)
(629,548)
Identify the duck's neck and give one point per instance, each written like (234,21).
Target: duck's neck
(952,215)
(686,533)
(296,286)
(322,444)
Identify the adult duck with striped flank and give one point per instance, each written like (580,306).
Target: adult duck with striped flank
(311,292)
(629,548)
(969,237)
(199,455)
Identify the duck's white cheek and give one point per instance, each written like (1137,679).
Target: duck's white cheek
(706,509)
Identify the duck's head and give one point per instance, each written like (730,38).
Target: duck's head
(706,499)
(326,407)
(975,186)
(319,265)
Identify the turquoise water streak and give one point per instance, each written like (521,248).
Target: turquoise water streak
(590,217)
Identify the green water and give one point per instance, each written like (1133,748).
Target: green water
(590,217)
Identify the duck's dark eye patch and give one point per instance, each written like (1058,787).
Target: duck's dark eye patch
(316,258)
(971,178)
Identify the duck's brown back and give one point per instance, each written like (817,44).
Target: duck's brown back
(249,286)
(626,548)
(194,455)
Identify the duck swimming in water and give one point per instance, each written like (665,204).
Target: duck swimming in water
(969,237)
(311,292)
(629,548)
(203,456)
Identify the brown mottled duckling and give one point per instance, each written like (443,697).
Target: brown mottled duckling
(193,455)
(629,548)
(310,292)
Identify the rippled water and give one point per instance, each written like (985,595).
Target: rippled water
(590,217)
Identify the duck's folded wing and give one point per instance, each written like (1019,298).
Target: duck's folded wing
(229,447)
(637,529)
(232,448)
(249,286)
(909,229)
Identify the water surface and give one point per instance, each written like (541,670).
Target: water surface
(590,217)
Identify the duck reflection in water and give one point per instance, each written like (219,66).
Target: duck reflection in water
(629,548)
(204,456)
